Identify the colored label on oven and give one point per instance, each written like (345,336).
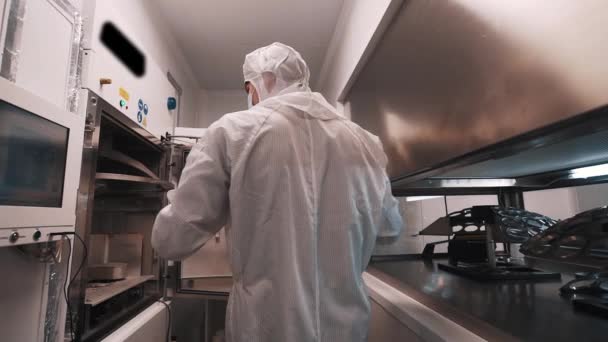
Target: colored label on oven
(123,93)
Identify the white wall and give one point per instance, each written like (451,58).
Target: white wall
(139,18)
(145,24)
(359,28)
(592,196)
(213,104)
(564,203)
(167,53)
(558,204)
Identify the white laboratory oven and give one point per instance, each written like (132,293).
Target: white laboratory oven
(40,158)
(118,67)
(122,188)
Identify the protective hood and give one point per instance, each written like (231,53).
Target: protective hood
(309,103)
(276,69)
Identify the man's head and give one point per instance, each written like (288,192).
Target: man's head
(273,70)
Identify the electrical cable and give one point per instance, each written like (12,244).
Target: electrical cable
(168,339)
(66,286)
(82,262)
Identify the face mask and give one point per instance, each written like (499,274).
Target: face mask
(249,100)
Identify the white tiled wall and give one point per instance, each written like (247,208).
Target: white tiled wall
(592,196)
(558,204)
(561,204)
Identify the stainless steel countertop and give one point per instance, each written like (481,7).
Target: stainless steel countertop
(525,310)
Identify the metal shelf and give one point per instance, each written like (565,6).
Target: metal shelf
(102,176)
(126,160)
(540,159)
(98,295)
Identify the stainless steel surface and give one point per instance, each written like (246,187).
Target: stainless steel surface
(491,247)
(179,155)
(383,326)
(97,295)
(109,271)
(578,151)
(128,249)
(450,77)
(84,208)
(527,311)
(121,119)
(13,237)
(541,158)
(207,272)
(98,249)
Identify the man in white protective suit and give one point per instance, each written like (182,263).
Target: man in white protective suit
(303,194)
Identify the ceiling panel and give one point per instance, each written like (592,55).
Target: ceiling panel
(216,35)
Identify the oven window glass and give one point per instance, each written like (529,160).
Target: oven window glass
(33,153)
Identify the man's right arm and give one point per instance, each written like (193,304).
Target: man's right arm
(393,221)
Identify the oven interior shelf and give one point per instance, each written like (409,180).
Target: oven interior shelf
(119,157)
(99,294)
(115,178)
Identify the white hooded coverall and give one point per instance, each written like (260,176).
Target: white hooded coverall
(303,193)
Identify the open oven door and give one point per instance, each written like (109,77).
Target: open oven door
(198,286)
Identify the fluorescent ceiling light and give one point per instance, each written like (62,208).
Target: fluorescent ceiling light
(590,171)
(477,182)
(420,198)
